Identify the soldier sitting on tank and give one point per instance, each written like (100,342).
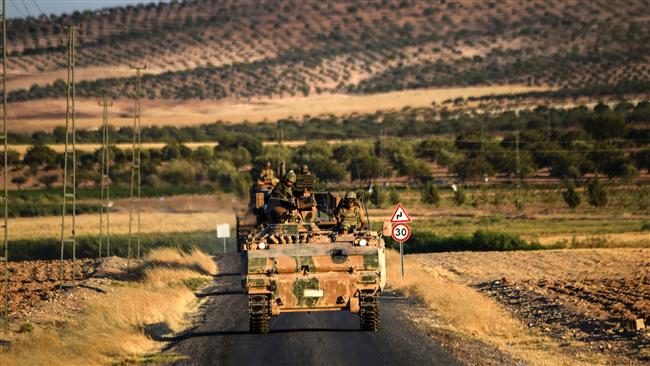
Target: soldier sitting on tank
(350,215)
(282,201)
(267,175)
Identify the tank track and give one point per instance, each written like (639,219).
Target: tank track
(259,314)
(369,313)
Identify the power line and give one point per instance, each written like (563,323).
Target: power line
(41,10)
(27,10)
(16,8)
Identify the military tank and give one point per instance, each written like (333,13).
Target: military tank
(300,266)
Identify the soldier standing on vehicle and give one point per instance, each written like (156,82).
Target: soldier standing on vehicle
(282,200)
(267,175)
(305,170)
(350,214)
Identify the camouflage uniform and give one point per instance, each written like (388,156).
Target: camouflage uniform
(282,200)
(350,215)
(267,175)
(282,191)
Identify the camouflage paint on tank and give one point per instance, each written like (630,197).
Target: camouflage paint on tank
(371,261)
(257,264)
(298,291)
(368,278)
(327,273)
(282,258)
(305,263)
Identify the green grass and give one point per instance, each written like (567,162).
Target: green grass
(530,228)
(427,242)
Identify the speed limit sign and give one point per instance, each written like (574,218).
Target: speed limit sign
(401,233)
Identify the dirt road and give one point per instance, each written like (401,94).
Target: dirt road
(333,338)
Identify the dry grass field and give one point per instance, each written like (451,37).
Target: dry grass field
(44,115)
(545,307)
(151,222)
(105,325)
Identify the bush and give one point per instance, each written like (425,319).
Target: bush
(179,172)
(378,196)
(393,198)
(225,175)
(39,155)
(571,197)
(48,180)
(596,193)
(19,181)
(459,197)
(430,194)
(481,240)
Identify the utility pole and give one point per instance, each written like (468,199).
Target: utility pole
(518,172)
(104,218)
(70,163)
(5,192)
(135,168)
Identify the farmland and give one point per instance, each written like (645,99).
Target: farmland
(516,134)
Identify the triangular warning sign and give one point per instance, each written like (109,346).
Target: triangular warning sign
(400,215)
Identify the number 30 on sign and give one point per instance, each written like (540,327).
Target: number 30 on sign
(401,233)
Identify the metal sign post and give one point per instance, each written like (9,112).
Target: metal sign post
(401,231)
(223,231)
(401,259)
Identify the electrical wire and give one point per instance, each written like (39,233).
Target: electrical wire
(16,8)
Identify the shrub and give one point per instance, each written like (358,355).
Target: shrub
(224,174)
(430,194)
(596,193)
(571,196)
(481,240)
(48,180)
(19,181)
(39,155)
(378,196)
(393,198)
(459,197)
(179,172)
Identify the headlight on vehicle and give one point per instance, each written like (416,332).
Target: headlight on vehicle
(363,242)
(261,245)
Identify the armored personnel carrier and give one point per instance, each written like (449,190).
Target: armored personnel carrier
(306,264)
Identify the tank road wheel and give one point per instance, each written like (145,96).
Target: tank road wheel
(259,314)
(369,313)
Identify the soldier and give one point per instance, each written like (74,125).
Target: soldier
(350,214)
(282,200)
(267,175)
(305,170)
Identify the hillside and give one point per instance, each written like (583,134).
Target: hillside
(209,49)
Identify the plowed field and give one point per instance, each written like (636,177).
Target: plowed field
(583,298)
(35,282)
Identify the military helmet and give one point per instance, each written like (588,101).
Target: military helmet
(290,177)
(350,196)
